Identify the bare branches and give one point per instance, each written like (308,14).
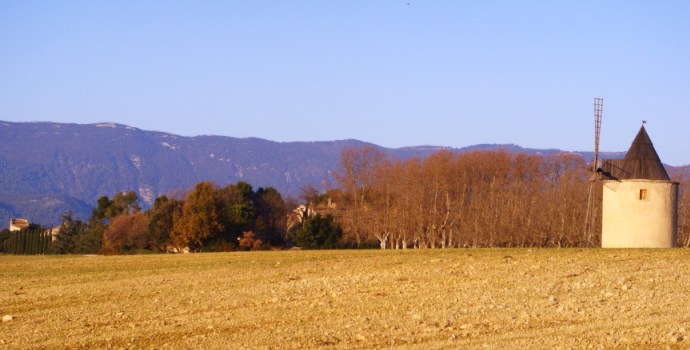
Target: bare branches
(472,199)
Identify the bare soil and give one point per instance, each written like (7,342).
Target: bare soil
(425,299)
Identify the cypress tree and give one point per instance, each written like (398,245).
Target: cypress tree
(36,242)
(25,246)
(32,243)
(12,243)
(21,244)
(49,240)
(46,240)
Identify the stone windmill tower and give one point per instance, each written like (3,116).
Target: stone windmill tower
(640,203)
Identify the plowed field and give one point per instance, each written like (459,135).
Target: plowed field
(425,299)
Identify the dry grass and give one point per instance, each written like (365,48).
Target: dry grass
(432,299)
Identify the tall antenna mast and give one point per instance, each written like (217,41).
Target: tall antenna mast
(598,107)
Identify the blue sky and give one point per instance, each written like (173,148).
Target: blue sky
(395,73)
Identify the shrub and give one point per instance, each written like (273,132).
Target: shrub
(249,242)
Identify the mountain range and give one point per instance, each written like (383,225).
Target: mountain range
(49,168)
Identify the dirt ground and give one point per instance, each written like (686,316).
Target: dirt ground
(426,299)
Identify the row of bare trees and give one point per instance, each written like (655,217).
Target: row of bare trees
(476,199)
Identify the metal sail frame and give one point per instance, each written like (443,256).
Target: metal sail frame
(598,108)
(589,217)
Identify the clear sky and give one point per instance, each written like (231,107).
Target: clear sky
(395,73)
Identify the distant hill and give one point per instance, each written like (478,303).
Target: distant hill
(48,168)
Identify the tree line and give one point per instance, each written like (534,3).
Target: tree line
(208,218)
(31,241)
(475,199)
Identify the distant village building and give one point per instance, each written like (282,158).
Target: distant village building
(21,224)
(640,203)
(307,211)
(18,224)
(53,232)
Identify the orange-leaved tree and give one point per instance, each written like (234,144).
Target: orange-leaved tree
(126,232)
(199,219)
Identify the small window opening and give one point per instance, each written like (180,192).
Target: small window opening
(643,194)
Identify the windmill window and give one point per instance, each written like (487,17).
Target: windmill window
(643,194)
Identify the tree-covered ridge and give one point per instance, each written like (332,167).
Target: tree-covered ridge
(49,168)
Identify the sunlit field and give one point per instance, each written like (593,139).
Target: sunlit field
(422,299)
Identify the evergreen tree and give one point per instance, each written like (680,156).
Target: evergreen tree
(90,239)
(236,210)
(5,241)
(318,232)
(271,215)
(66,240)
(161,221)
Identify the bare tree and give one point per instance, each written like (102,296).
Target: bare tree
(357,175)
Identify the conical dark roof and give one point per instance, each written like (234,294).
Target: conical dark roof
(640,163)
